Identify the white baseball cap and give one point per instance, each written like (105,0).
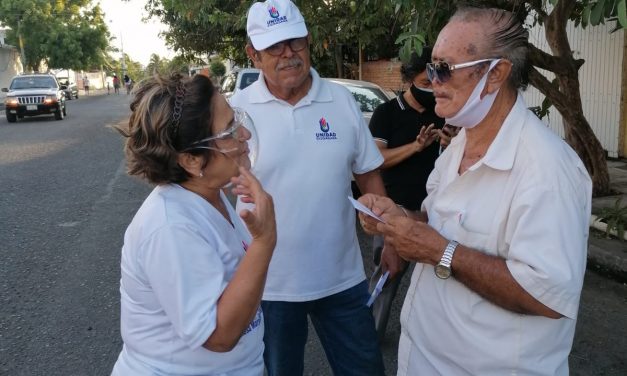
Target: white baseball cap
(273,21)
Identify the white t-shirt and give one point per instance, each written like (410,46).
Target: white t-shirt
(179,254)
(307,155)
(527,201)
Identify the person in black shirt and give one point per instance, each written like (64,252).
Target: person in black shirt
(405,130)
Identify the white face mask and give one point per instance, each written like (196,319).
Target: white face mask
(475,109)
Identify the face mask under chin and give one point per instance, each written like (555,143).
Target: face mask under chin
(476,108)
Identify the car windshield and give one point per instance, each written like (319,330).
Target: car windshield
(247,79)
(33,83)
(368,98)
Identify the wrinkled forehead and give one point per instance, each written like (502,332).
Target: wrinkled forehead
(460,41)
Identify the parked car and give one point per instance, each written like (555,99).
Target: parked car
(70,88)
(367,95)
(32,95)
(237,80)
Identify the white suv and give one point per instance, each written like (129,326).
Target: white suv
(238,80)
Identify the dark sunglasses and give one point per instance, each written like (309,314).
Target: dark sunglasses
(296,44)
(442,70)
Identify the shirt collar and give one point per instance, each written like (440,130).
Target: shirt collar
(317,92)
(502,151)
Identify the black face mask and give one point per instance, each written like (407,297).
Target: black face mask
(423,97)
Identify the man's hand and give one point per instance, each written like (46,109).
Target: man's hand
(381,206)
(425,138)
(446,134)
(391,261)
(413,240)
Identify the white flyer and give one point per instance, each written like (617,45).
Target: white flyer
(359,206)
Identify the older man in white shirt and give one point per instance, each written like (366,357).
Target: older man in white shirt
(500,243)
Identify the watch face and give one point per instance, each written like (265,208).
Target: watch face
(442,271)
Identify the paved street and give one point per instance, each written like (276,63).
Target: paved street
(65,201)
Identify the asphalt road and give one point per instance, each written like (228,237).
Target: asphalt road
(65,202)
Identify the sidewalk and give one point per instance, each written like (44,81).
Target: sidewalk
(610,255)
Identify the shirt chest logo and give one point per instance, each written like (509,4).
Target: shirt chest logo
(325,133)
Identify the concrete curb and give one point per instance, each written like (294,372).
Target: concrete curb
(615,263)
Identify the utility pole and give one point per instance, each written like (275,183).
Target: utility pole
(123,56)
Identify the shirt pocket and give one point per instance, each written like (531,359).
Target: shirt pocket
(472,239)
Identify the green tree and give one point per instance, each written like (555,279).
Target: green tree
(181,63)
(563,92)
(62,34)
(156,65)
(337,27)
(217,69)
(201,27)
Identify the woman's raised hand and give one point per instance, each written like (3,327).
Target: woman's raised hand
(260,221)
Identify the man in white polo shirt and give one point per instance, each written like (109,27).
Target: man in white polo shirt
(501,259)
(312,138)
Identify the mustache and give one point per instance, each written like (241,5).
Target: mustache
(293,62)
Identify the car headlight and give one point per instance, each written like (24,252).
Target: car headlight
(50,99)
(11,102)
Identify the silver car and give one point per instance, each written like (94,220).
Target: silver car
(367,94)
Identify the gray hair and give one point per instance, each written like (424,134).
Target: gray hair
(506,38)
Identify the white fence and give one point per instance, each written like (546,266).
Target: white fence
(600,80)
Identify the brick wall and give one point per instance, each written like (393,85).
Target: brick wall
(384,73)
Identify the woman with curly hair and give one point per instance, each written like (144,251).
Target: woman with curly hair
(192,271)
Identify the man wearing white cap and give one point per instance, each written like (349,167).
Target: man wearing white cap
(312,138)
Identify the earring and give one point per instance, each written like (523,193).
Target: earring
(201,174)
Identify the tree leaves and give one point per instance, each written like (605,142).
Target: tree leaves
(621,12)
(64,34)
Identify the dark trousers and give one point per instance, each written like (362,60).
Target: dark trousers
(343,323)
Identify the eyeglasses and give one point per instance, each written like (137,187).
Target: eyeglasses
(223,141)
(296,44)
(442,70)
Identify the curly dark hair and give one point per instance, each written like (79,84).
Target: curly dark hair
(154,138)
(416,64)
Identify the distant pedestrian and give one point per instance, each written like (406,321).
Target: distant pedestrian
(128,84)
(86,85)
(116,83)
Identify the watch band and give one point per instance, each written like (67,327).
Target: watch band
(443,268)
(447,257)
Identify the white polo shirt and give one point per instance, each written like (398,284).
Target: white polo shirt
(179,254)
(527,201)
(307,155)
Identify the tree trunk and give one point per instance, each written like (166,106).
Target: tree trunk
(339,60)
(566,97)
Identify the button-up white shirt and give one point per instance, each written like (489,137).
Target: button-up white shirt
(527,201)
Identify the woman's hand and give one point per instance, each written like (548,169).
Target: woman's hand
(260,221)
(426,137)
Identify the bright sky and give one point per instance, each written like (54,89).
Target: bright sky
(124,19)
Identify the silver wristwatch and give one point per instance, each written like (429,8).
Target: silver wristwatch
(443,268)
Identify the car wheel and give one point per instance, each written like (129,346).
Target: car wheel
(11,118)
(59,114)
